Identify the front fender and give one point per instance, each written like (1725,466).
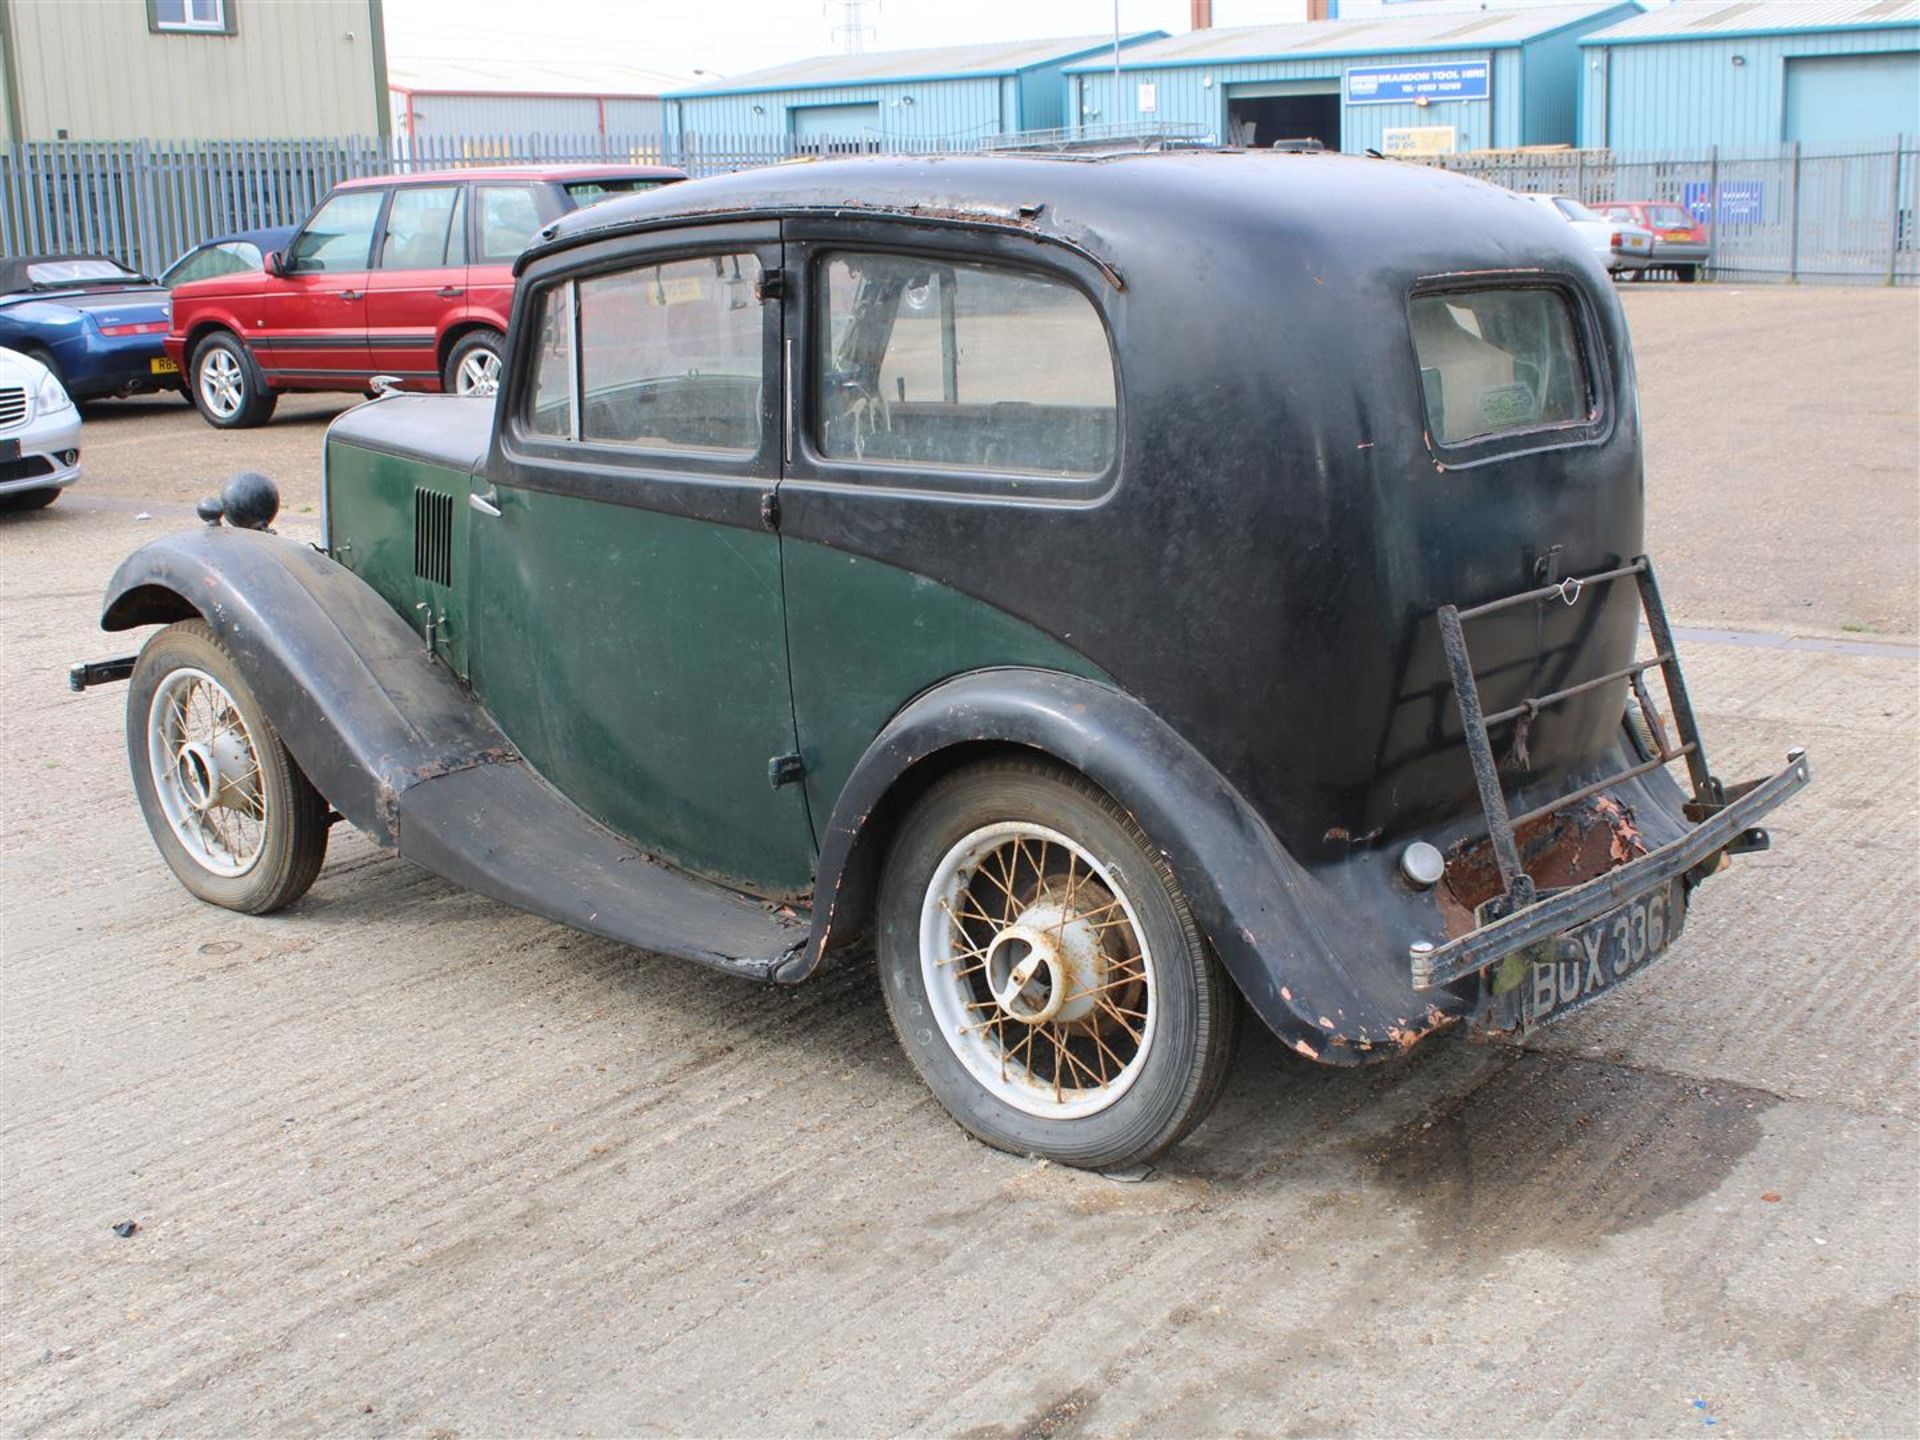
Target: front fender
(1251,899)
(344,680)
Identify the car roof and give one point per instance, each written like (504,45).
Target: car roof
(13,268)
(560,173)
(1111,206)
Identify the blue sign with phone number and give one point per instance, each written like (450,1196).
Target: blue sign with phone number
(1407,84)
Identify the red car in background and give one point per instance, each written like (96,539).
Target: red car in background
(1679,240)
(402,275)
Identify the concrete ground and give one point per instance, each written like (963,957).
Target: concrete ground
(403,1160)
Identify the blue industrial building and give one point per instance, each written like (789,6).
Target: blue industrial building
(1752,75)
(953,95)
(1419,83)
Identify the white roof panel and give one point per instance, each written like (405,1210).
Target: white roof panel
(1698,19)
(1000,57)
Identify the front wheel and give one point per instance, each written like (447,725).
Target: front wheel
(227,385)
(236,819)
(1043,972)
(473,365)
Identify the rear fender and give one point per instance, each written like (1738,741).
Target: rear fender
(344,680)
(1246,892)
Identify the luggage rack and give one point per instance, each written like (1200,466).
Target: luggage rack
(1721,816)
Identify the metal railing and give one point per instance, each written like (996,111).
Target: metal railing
(1836,214)
(1791,213)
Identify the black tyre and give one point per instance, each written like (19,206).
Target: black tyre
(1043,972)
(473,365)
(227,387)
(233,815)
(30,499)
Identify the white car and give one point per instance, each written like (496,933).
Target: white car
(39,434)
(1622,246)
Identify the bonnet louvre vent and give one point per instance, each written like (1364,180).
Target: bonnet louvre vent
(433,536)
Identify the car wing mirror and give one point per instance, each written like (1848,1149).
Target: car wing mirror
(274,262)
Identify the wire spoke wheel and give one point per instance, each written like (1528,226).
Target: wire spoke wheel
(1038,970)
(206,772)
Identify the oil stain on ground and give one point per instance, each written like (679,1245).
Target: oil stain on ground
(1552,1153)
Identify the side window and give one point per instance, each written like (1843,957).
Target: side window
(1499,360)
(509,219)
(419,223)
(671,355)
(925,362)
(457,229)
(229,258)
(550,405)
(340,234)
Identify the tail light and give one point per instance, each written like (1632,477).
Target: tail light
(1617,241)
(151,327)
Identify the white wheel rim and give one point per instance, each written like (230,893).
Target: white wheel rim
(222,385)
(479,374)
(1037,970)
(206,772)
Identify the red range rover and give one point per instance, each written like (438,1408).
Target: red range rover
(403,275)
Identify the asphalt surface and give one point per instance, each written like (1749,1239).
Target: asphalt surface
(404,1161)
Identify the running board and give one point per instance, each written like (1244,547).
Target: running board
(503,832)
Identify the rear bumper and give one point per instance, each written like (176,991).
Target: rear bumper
(114,365)
(1679,252)
(1559,911)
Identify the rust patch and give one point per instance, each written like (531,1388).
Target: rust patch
(1306,1049)
(1558,851)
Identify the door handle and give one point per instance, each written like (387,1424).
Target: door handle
(485,503)
(450,292)
(352,294)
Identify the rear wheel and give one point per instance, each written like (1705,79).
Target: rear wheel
(473,365)
(29,499)
(1043,972)
(227,385)
(233,815)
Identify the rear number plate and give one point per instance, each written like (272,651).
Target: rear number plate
(1578,967)
(161,365)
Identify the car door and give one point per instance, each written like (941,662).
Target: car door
(506,217)
(625,613)
(313,320)
(418,284)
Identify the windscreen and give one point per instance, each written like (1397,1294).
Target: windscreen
(1498,360)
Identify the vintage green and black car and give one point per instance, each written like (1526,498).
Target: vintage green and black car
(1121,586)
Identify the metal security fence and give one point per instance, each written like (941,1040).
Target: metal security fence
(1797,213)
(1838,214)
(147,202)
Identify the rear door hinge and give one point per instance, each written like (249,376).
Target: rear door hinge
(770,510)
(772,286)
(783,770)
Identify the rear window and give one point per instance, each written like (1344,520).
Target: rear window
(75,272)
(1497,361)
(591,192)
(1669,215)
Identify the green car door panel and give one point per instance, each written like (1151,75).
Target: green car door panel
(866,637)
(637,659)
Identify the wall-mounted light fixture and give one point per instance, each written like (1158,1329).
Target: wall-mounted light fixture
(906,99)
(759,109)
(1738,61)
(1206,83)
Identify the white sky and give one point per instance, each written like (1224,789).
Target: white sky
(730,37)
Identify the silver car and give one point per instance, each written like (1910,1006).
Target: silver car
(39,434)
(1623,247)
